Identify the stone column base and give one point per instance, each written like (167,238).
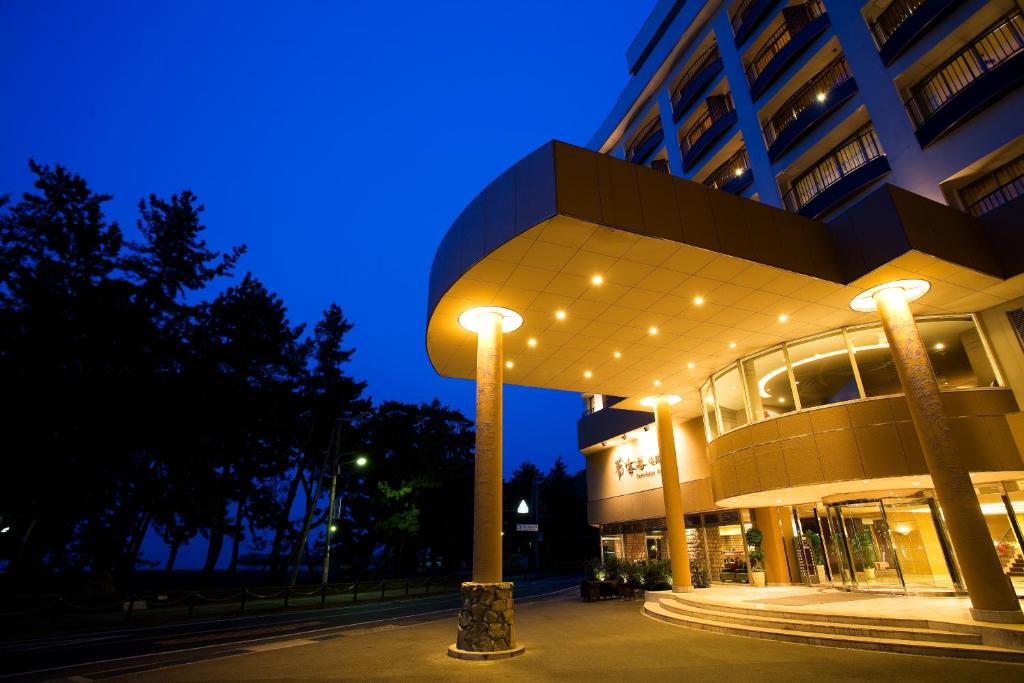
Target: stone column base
(487,627)
(682,589)
(998,616)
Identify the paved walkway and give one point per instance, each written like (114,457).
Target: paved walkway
(570,640)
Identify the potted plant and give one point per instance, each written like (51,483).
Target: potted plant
(754,537)
(864,550)
(818,553)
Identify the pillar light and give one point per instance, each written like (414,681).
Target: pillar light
(912,290)
(510,320)
(649,401)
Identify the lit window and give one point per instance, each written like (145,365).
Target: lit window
(822,371)
(729,395)
(768,386)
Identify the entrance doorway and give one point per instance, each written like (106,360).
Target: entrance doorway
(892,544)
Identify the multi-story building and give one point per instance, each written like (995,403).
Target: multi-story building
(798,237)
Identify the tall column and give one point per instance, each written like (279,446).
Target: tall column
(487,467)
(679,554)
(486,618)
(775,563)
(991,593)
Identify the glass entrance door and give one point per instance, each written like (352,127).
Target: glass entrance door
(869,546)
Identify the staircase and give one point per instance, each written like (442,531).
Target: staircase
(906,636)
(1016,566)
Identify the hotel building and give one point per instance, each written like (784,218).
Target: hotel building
(797,238)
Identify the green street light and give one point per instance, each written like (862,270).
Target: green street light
(361,461)
(334,528)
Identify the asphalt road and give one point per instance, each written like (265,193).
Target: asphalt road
(111,653)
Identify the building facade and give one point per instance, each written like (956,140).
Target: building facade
(809,106)
(788,275)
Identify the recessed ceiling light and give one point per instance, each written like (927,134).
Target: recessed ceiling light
(588,374)
(509,364)
(617,354)
(652,330)
(783,317)
(657,382)
(597,279)
(560,314)
(939,346)
(781,399)
(778,500)
(698,300)
(531,342)
(691,365)
(732,345)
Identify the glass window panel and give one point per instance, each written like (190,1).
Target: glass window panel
(957,354)
(823,372)
(875,362)
(708,401)
(768,387)
(729,394)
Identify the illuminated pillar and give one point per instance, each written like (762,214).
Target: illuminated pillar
(486,618)
(991,593)
(775,563)
(679,554)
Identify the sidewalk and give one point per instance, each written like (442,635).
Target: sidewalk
(569,640)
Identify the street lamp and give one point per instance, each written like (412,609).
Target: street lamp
(358,461)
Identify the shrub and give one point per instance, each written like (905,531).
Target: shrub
(699,575)
(656,574)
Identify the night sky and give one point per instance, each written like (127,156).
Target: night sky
(316,136)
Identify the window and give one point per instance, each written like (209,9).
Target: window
(957,354)
(707,400)
(875,362)
(729,395)
(768,386)
(823,371)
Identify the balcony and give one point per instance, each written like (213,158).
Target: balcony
(990,66)
(709,126)
(607,424)
(695,80)
(749,16)
(809,106)
(850,166)
(733,176)
(801,25)
(645,142)
(994,189)
(904,21)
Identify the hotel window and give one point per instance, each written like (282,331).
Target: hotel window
(822,370)
(767,381)
(729,397)
(957,353)
(874,361)
(707,399)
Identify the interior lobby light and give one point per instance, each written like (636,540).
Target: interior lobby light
(912,289)
(597,279)
(510,320)
(649,401)
(939,346)
(531,342)
(560,314)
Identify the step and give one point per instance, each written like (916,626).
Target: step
(910,647)
(811,625)
(884,622)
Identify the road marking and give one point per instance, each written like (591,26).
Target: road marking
(218,635)
(448,610)
(280,645)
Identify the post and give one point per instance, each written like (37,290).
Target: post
(992,596)
(486,623)
(674,514)
(330,524)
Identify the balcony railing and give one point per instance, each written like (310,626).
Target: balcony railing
(795,18)
(982,56)
(814,93)
(742,10)
(1002,185)
(894,16)
(711,114)
(709,55)
(645,141)
(730,174)
(850,155)
(747,16)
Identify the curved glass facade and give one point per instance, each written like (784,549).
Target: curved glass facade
(842,365)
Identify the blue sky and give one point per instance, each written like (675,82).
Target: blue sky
(314,130)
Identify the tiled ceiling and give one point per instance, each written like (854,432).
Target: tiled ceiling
(650,282)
